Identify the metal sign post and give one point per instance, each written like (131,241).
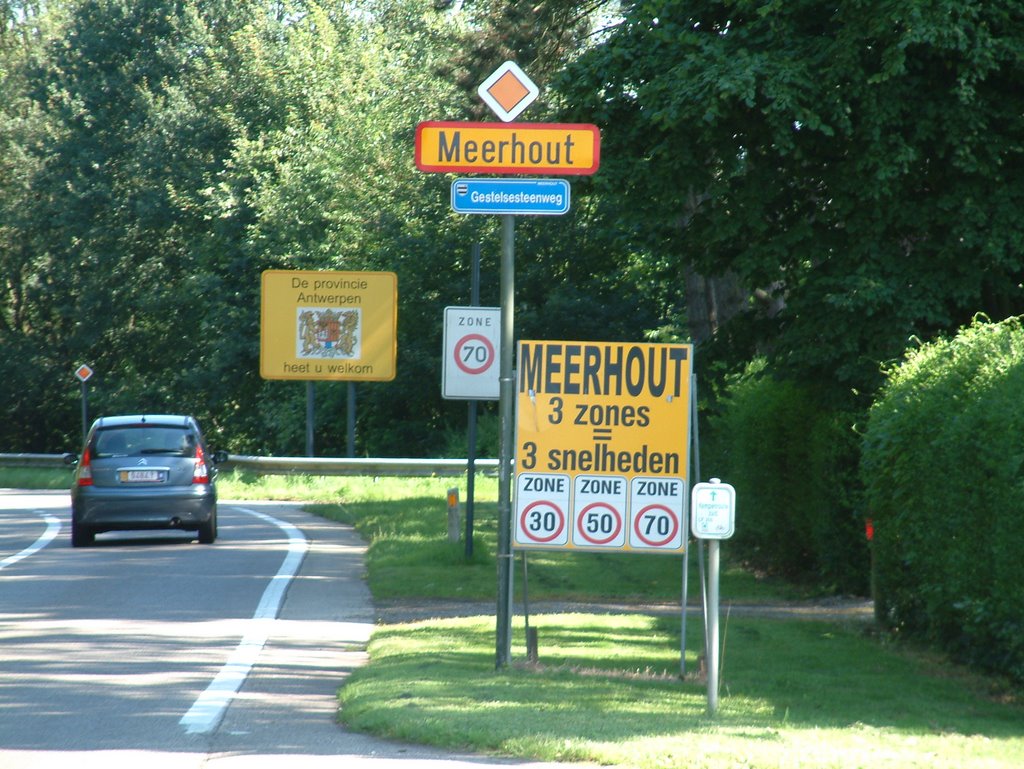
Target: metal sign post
(310,416)
(713,511)
(713,615)
(474,301)
(507,148)
(83,373)
(695,467)
(505,450)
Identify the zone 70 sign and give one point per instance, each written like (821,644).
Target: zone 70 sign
(472,338)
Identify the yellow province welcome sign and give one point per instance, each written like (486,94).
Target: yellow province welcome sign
(328,325)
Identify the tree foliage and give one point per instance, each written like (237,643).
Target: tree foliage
(856,167)
(539,36)
(858,162)
(944,471)
(116,229)
(163,154)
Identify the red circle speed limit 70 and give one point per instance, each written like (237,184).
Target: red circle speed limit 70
(599,523)
(542,521)
(474,353)
(656,525)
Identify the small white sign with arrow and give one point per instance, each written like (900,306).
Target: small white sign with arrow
(713,510)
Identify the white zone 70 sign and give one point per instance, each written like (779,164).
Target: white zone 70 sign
(602,434)
(471,344)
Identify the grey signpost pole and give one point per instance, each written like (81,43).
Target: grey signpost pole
(310,416)
(713,517)
(695,467)
(85,410)
(507,91)
(474,301)
(713,649)
(82,373)
(506,395)
(350,418)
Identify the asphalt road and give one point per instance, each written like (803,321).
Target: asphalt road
(152,651)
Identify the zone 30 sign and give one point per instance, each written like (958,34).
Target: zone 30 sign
(602,434)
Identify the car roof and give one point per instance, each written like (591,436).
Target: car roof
(175,420)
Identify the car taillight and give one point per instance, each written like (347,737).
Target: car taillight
(84,476)
(201,474)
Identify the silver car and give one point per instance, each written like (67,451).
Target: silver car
(147,471)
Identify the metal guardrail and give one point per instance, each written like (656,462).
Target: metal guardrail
(32,460)
(303,465)
(359,466)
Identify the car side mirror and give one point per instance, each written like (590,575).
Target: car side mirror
(219,457)
(71,459)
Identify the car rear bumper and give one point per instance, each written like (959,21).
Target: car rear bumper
(103,509)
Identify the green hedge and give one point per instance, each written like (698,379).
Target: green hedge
(794,465)
(943,467)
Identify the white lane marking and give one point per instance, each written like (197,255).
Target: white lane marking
(209,708)
(52,530)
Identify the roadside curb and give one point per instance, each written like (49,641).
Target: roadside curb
(829,610)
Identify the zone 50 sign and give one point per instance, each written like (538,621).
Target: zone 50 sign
(602,435)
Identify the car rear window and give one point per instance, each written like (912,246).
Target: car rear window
(132,440)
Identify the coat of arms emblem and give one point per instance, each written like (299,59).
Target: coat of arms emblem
(325,332)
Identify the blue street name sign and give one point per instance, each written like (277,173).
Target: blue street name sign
(530,197)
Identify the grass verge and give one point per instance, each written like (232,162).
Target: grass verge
(34,478)
(795,693)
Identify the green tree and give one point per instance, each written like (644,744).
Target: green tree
(334,188)
(943,469)
(179,149)
(343,194)
(25,368)
(856,165)
(118,221)
(539,36)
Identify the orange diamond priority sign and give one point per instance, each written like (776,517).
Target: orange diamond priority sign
(508,91)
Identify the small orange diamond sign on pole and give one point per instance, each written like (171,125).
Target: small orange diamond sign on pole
(82,373)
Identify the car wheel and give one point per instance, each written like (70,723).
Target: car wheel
(81,536)
(208,531)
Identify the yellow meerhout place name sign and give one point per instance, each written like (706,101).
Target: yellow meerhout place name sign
(508,148)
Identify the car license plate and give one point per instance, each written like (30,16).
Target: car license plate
(141,476)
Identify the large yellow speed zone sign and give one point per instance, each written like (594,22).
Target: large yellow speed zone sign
(602,437)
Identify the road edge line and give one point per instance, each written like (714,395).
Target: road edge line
(209,708)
